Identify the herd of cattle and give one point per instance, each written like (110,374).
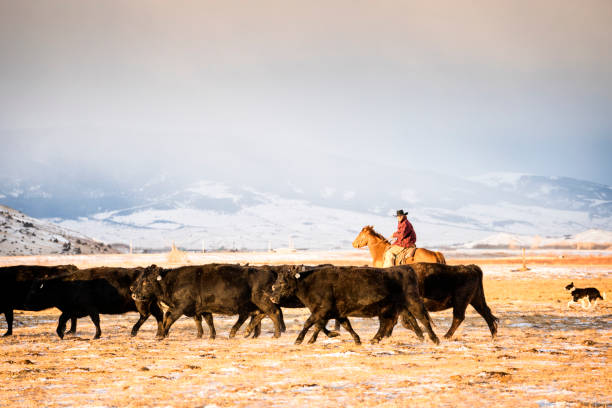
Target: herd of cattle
(405,293)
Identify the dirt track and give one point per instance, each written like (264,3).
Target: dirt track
(545,355)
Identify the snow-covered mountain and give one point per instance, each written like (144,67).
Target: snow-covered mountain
(23,235)
(327,214)
(591,239)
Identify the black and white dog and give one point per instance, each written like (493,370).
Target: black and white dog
(585,295)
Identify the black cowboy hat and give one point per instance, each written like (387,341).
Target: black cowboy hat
(400,212)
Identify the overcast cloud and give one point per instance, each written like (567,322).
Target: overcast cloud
(268,89)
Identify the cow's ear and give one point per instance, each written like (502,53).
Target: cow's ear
(303,268)
(297,276)
(159,277)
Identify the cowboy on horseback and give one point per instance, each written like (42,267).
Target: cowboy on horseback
(405,237)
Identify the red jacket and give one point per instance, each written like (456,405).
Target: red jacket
(406,237)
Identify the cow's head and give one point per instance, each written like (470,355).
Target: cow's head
(42,293)
(570,286)
(286,282)
(148,284)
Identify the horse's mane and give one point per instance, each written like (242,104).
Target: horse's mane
(370,229)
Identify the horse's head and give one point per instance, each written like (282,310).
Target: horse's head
(363,237)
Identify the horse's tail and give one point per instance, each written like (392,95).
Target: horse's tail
(440,258)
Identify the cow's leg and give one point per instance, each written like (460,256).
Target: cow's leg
(307,325)
(277,318)
(254,325)
(382,329)
(208,318)
(61,324)
(337,326)
(458,317)
(241,319)
(95,318)
(386,323)
(73,326)
(141,320)
(197,318)
(459,306)
(331,333)
(318,327)
(347,326)
(391,322)
(171,316)
(410,323)
(389,331)
(272,311)
(8,315)
(282,320)
(159,317)
(417,308)
(256,328)
(480,305)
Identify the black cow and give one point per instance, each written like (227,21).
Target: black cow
(144,306)
(446,286)
(338,292)
(15,283)
(213,288)
(267,277)
(91,292)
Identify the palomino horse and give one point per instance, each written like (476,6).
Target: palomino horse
(377,244)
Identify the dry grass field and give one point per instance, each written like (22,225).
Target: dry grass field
(545,356)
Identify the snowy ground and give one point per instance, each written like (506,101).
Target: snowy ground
(545,356)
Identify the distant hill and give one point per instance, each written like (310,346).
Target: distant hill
(23,235)
(590,240)
(319,214)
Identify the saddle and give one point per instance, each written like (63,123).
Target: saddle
(406,256)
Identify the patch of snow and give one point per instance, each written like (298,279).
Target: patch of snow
(15,193)
(524,324)
(213,189)
(497,179)
(502,239)
(229,370)
(340,354)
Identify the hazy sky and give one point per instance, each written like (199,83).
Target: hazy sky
(458,87)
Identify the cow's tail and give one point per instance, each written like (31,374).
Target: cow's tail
(480,304)
(440,258)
